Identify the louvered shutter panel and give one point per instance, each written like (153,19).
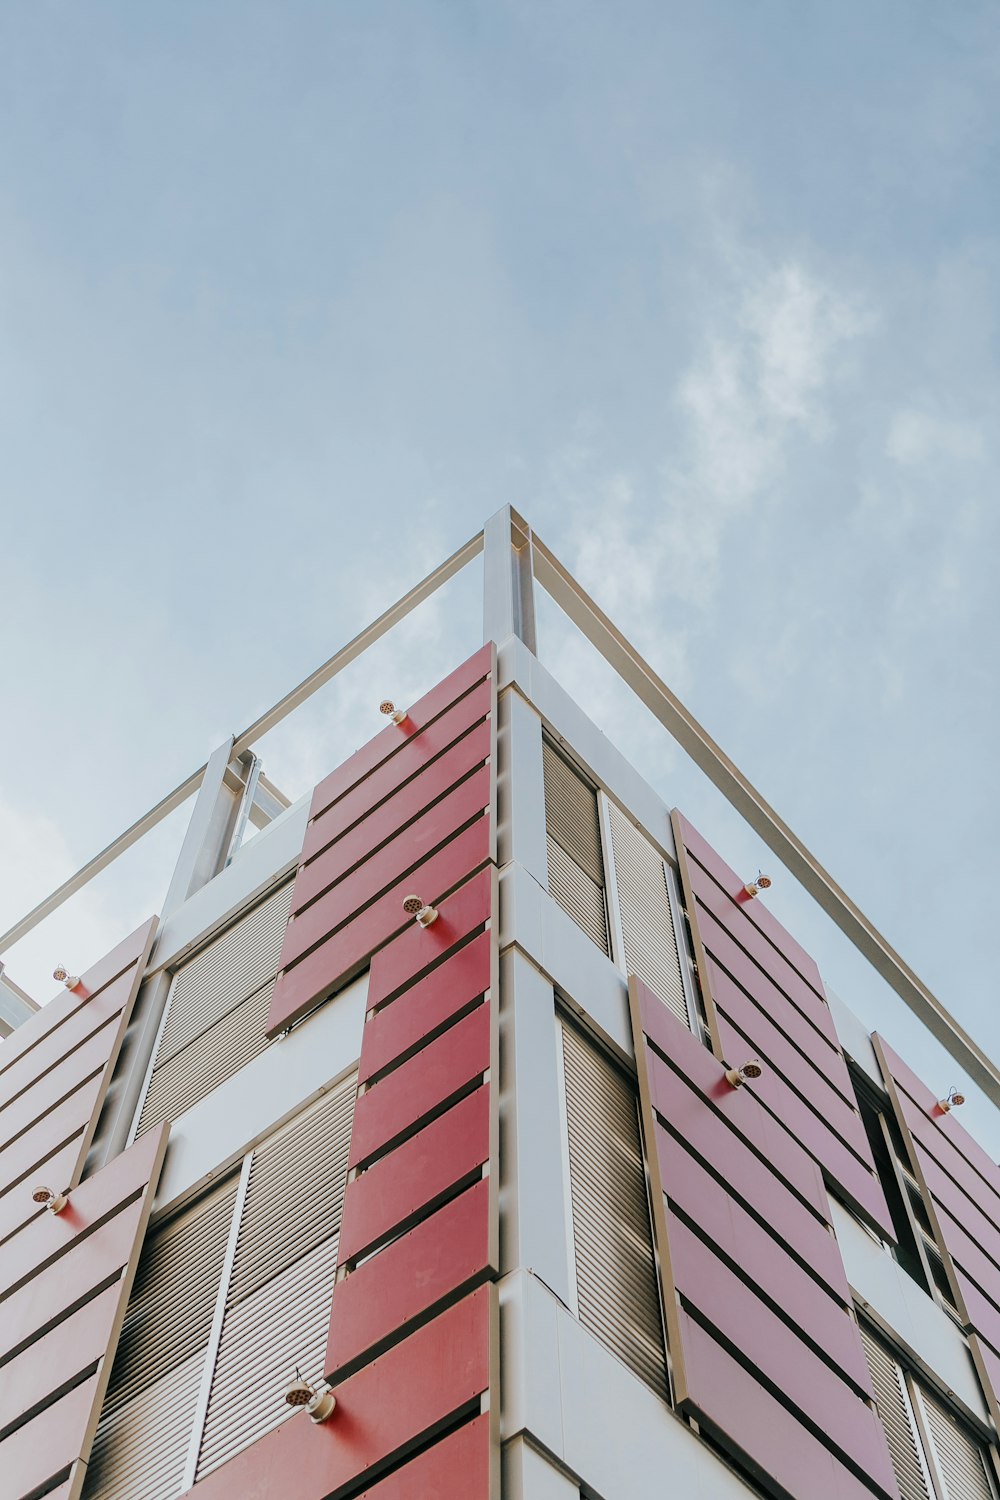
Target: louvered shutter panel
(960,1460)
(616,1278)
(576,866)
(278,1299)
(648,934)
(217,1011)
(896,1416)
(142,1441)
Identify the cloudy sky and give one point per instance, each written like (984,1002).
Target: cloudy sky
(293,297)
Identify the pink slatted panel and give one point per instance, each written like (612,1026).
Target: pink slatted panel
(16,1207)
(385,868)
(416,1174)
(406,1394)
(32,1068)
(416,754)
(756,911)
(427,1006)
(397,818)
(437,1074)
(445,1255)
(824,1145)
(729,1401)
(680,1098)
(341,955)
(394,738)
(775,1351)
(947,1125)
(762,1258)
(133,949)
(59,1082)
(456,1468)
(58,1357)
(44,1447)
(66,1120)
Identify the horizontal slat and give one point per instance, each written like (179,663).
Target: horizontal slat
(648,934)
(960,1458)
(141,1448)
(895,1414)
(416,1174)
(36,1065)
(340,956)
(59,1082)
(417,752)
(394,738)
(63,1121)
(414,1388)
(579,896)
(58,1357)
(44,1447)
(443,1257)
(387,865)
(214,1056)
(282,1325)
(392,818)
(405,959)
(426,1007)
(296,1191)
(55,1171)
(232,966)
(457,1465)
(615,1270)
(438,1073)
(571,816)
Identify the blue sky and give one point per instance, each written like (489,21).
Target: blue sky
(292,298)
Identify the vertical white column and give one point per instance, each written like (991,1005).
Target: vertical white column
(508,579)
(206,841)
(521,788)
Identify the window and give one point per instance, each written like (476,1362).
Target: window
(617,1287)
(934,1455)
(216,1011)
(917,1250)
(229,1298)
(573,836)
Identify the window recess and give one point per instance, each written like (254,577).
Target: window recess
(573,837)
(617,1287)
(934,1454)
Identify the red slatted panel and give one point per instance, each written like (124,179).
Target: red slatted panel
(394,738)
(405,960)
(32,1067)
(771,1440)
(415,754)
(387,866)
(67,1119)
(756,911)
(416,1174)
(405,1395)
(425,1007)
(443,1256)
(342,955)
(456,1468)
(400,817)
(764,1275)
(135,948)
(55,1085)
(764,996)
(437,1074)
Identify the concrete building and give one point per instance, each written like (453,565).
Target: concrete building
(478,1093)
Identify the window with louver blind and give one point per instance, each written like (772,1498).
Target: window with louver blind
(573,836)
(216,1011)
(616,1280)
(934,1456)
(229,1299)
(649,938)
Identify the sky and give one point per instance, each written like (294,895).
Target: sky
(293,297)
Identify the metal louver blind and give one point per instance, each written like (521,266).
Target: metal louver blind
(576,866)
(278,1299)
(217,1011)
(145,1428)
(961,1462)
(896,1416)
(648,934)
(616,1278)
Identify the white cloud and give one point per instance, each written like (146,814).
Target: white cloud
(918,435)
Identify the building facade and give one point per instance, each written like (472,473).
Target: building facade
(477,1131)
